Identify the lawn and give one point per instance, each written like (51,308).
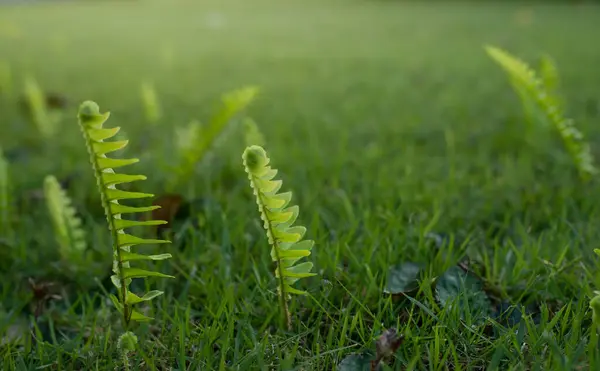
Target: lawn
(433,210)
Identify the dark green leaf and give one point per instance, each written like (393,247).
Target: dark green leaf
(458,289)
(402,278)
(356,362)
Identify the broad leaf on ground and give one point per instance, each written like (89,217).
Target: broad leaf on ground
(402,278)
(356,362)
(457,288)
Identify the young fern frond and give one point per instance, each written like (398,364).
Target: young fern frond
(91,122)
(529,84)
(67,226)
(205,137)
(286,240)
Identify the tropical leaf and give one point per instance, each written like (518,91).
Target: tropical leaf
(91,122)
(285,239)
(542,92)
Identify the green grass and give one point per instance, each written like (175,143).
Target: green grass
(389,123)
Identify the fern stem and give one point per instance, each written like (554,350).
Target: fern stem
(286,317)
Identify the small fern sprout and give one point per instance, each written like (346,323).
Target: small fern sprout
(286,240)
(67,226)
(91,122)
(125,345)
(542,92)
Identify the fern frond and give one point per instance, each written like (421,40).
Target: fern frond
(253,134)
(91,122)
(549,75)
(45,120)
(5,229)
(150,102)
(286,240)
(232,104)
(527,82)
(67,226)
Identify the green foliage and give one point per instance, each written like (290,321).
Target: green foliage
(403,278)
(463,292)
(5,79)
(67,226)
(541,91)
(45,120)
(151,104)
(253,134)
(356,362)
(285,239)
(5,212)
(91,122)
(126,344)
(595,306)
(203,138)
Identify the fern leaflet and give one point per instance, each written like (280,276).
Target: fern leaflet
(285,239)
(91,122)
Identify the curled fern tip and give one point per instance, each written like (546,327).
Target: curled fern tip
(89,108)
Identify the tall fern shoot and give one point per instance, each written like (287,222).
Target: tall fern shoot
(91,122)
(541,91)
(286,240)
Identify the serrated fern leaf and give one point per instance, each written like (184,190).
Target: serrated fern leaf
(205,137)
(528,83)
(67,226)
(286,240)
(91,122)
(150,102)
